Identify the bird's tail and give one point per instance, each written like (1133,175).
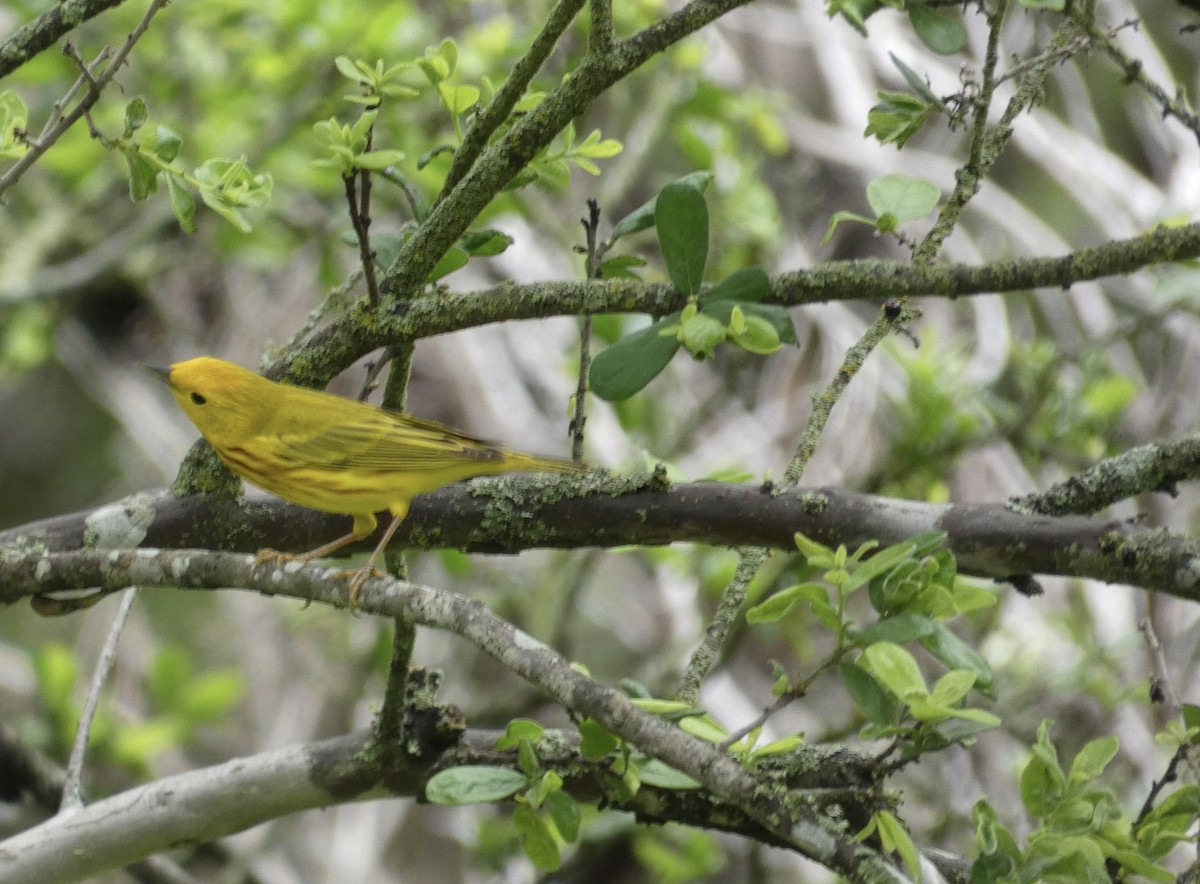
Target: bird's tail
(518,461)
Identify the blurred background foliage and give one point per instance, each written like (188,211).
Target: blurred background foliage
(1003,395)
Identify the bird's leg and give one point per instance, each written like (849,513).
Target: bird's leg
(367,571)
(364,525)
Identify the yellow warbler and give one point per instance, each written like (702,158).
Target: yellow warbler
(330,453)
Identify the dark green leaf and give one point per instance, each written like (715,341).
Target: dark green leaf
(135,116)
(681,218)
(519,729)
(143,180)
(632,362)
(954,653)
(750,284)
(876,703)
(166,144)
(594,741)
(942,30)
(484,784)
(918,85)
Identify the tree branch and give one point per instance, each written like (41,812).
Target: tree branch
(43,32)
(306,781)
(989,540)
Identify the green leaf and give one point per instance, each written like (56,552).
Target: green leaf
(896,670)
(182,204)
(1049,5)
(135,116)
(681,217)
(1191,715)
(918,85)
(13,116)
(378,160)
(775,316)
(486,243)
(1109,396)
(564,813)
(816,554)
(942,30)
(895,839)
(642,217)
(952,687)
(883,560)
(759,337)
(454,259)
(143,178)
(905,627)
(949,649)
(594,741)
(777,606)
(537,842)
(876,703)
(1091,760)
(749,284)
(662,776)
(632,362)
(904,197)
(484,784)
(520,729)
(166,144)
(458,99)
(620,266)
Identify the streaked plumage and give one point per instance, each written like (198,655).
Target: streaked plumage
(332,454)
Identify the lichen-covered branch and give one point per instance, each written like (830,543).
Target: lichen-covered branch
(45,30)
(786,815)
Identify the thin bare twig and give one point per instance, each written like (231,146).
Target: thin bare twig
(96,84)
(72,789)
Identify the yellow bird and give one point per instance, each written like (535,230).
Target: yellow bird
(332,454)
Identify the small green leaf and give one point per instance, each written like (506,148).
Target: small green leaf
(876,703)
(896,670)
(905,627)
(166,144)
(942,30)
(749,284)
(458,99)
(537,842)
(918,85)
(663,776)
(902,196)
(620,267)
(594,741)
(1049,5)
(954,653)
(182,204)
(135,116)
(1091,760)
(564,812)
(519,729)
(895,839)
(632,362)
(484,784)
(486,243)
(884,560)
(14,117)
(777,317)
(681,218)
(777,606)
(143,179)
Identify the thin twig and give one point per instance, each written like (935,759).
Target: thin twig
(361,221)
(96,86)
(72,790)
(591,226)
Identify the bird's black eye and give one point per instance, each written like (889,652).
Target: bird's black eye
(198,399)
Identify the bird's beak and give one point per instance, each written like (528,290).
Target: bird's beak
(164,373)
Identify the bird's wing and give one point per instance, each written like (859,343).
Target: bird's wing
(383,441)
